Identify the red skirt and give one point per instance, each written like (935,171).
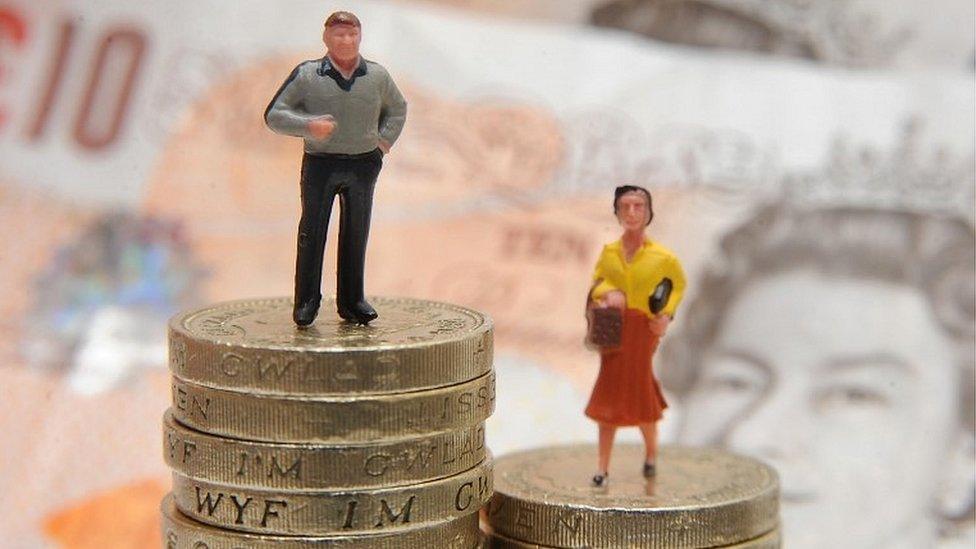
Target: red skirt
(626,391)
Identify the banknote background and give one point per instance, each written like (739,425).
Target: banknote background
(136,179)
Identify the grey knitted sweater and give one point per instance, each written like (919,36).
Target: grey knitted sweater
(366,108)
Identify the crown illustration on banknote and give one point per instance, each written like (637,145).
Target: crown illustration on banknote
(910,176)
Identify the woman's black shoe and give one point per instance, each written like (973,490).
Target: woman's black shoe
(649,470)
(600,479)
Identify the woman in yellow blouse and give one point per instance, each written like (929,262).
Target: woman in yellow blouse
(636,275)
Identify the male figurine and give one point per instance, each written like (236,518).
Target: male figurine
(349,112)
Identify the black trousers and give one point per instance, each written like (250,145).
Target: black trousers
(352,178)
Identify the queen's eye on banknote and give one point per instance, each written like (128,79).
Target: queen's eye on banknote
(811,163)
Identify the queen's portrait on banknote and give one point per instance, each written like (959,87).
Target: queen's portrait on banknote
(836,343)
(644,281)
(349,112)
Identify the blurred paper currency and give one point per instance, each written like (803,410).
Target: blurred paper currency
(853,33)
(136,179)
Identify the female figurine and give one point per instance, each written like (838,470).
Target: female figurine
(645,282)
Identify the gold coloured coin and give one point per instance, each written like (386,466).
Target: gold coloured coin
(772,540)
(254,346)
(315,466)
(333,420)
(334,512)
(699,498)
(181,532)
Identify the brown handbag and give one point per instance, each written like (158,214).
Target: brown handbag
(603,324)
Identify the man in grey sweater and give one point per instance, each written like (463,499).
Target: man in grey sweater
(349,112)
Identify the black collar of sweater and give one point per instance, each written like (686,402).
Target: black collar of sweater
(326,69)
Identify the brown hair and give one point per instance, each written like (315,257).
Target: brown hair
(342,18)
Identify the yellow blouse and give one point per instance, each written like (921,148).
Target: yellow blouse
(638,278)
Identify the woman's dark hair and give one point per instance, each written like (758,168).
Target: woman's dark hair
(624,189)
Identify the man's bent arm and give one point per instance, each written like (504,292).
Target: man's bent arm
(283,115)
(393,113)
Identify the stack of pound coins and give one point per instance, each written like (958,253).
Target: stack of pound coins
(699,498)
(334,435)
